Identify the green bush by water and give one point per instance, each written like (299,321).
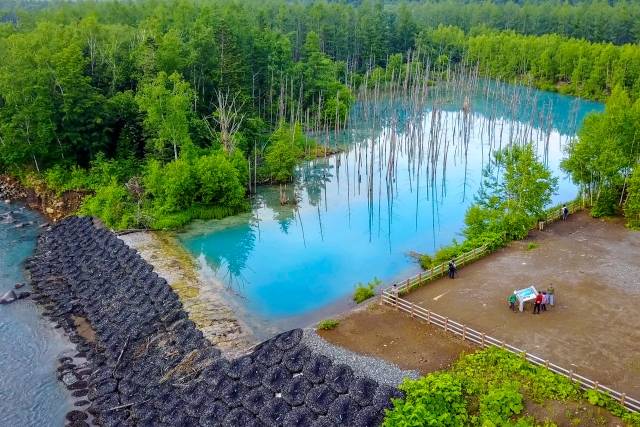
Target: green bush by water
(364,292)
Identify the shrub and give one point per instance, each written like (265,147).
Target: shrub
(606,204)
(218,181)
(364,292)
(436,399)
(501,403)
(328,324)
(531,246)
(446,253)
(284,150)
(426,262)
(113,205)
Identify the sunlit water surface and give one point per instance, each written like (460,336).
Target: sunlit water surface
(284,266)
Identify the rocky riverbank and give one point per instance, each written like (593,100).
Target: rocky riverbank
(38,197)
(148,364)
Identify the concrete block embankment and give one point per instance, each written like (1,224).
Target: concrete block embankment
(148,365)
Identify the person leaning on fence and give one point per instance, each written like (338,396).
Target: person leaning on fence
(550,294)
(512,301)
(538,303)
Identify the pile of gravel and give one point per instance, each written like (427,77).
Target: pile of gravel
(366,366)
(150,366)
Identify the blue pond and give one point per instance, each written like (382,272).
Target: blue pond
(402,183)
(30,394)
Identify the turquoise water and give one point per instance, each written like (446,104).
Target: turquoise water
(30,394)
(402,183)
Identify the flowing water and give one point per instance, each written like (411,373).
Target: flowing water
(409,170)
(30,394)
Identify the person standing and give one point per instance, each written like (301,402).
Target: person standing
(538,303)
(545,299)
(512,301)
(550,292)
(452,269)
(565,212)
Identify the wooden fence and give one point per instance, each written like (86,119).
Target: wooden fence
(483,340)
(440,270)
(437,271)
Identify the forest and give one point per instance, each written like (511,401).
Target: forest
(163,112)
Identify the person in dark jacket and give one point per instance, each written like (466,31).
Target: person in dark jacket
(452,269)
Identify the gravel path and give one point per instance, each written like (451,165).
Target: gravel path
(366,366)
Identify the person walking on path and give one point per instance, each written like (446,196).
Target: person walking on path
(545,299)
(538,303)
(512,301)
(452,269)
(550,295)
(565,212)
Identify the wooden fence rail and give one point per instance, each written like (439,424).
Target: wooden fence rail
(440,270)
(391,298)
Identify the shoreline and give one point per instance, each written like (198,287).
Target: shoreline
(205,302)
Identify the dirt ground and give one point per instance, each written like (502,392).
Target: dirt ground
(390,335)
(594,328)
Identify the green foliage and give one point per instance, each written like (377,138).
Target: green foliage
(328,324)
(485,388)
(604,157)
(437,399)
(204,187)
(364,292)
(102,172)
(516,188)
(285,148)
(531,246)
(632,205)
(598,398)
(166,100)
(501,403)
(113,204)
(426,262)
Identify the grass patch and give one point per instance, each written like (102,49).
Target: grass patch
(531,246)
(364,292)
(328,324)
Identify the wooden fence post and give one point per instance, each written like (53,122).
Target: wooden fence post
(483,340)
(464,332)
(420,278)
(571,375)
(446,323)
(412,308)
(622,397)
(429,317)
(503,346)
(546,364)
(595,386)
